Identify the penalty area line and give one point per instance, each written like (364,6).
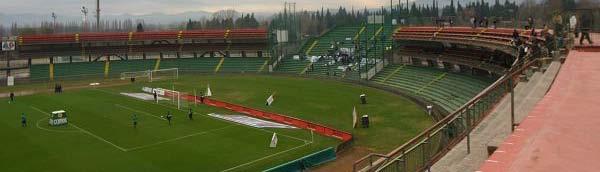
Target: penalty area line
(138,111)
(205,116)
(87,132)
(178,138)
(37,124)
(266,157)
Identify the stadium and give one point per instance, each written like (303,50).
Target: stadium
(397,87)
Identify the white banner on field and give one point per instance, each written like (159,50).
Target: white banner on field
(159,91)
(10,81)
(250,121)
(143,96)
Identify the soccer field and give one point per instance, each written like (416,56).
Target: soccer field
(100,132)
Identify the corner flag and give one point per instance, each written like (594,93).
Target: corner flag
(270,100)
(273,140)
(354,117)
(208,92)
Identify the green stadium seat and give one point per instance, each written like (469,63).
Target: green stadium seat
(450,92)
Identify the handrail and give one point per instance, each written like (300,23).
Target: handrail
(140,36)
(419,140)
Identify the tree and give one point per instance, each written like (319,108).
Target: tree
(140,27)
(449,10)
(189,25)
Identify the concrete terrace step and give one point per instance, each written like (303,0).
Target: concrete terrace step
(496,126)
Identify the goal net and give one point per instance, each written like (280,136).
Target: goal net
(136,75)
(175,97)
(172,96)
(164,74)
(153,75)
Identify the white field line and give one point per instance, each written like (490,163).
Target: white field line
(266,157)
(178,138)
(87,132)
(207,116)
(37,124)
(138,111)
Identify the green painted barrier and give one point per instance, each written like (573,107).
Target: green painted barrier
(306,162)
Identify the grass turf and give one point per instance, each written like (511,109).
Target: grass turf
(103,136)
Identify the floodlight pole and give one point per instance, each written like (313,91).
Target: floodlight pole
(85,12)
(512,105)
(54,22)
(97,15)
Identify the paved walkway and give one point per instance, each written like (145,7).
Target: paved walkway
(562,133)
(496,127)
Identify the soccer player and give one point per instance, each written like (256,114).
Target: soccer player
(169,117)
(12,97)
(190,114)
(23,120)
(155,96)
(135,120)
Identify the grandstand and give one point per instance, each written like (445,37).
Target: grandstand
(448,89)
(204,65)
(289,65)
(243,65)
(440,98)
(425,68)
(374,38)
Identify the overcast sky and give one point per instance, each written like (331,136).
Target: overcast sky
(116,7)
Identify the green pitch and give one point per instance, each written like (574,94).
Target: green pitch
(101,136)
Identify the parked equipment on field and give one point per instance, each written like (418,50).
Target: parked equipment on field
(365,121)
(58,118)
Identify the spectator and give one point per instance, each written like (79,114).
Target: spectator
(586,27)
(550,41)
(573,25)
(531,22)
(558,25)
(482,22)
(474,22)
(516,37)
(533,37)
(495,23)
(486,22)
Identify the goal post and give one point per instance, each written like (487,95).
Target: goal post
(175,97)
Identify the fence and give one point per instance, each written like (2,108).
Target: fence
(306,162)
(425,149)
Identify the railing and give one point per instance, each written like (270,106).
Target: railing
(142,36)
(432,144)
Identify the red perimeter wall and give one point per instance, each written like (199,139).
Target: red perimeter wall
(317,128)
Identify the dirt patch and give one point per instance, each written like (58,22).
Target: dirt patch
(344,160)
(66,87)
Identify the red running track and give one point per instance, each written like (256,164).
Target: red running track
(562,132)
